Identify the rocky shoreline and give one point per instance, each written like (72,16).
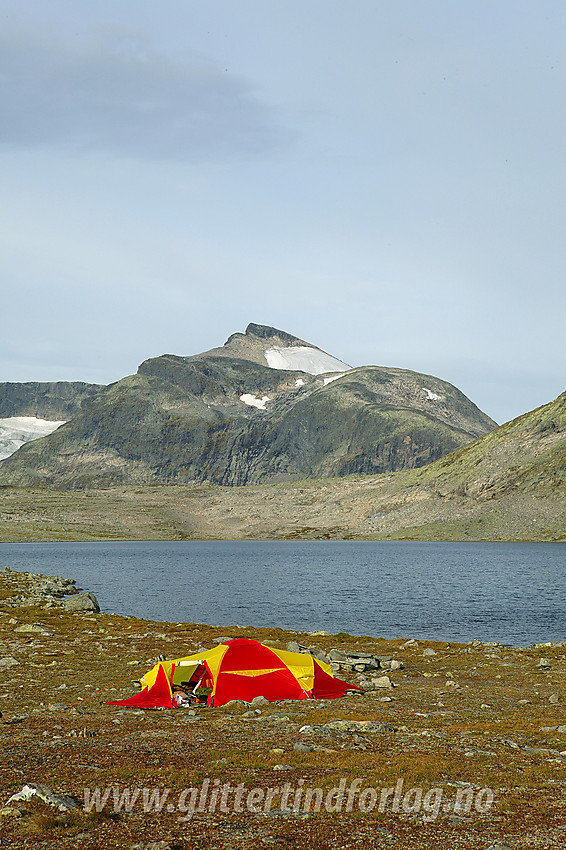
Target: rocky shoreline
(436,715)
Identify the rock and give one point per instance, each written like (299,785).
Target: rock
(293,646)
(544,664)
(410,643)
(396,665)
(301,747)
(429,651)
(382,682)
(63,802)
(554,699)
(35,628)
(476,642)
(561,729)
(82,602)
(259,700)
(321,633)
(221,639)
(358,726)
(277,751)
(282,767)
(11,812)
(337,655)
(152,845)
(8,661)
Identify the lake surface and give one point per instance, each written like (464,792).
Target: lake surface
(509,592)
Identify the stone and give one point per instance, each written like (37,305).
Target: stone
(429,651)
(321,633)
(11,812)
(8,661)
(337,655)
(410,643)
(302,747)
(152,845)
(554,699)
(396,665)
(63,802)
(293,646)
(35,628)
(282,767)
(82,602)
(259,700)
(382,682)
(544,664)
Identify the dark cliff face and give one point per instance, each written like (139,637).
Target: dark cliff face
(232,420)
(49,400)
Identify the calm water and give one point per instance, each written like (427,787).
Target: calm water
(509,592)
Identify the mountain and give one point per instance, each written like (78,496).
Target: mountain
(264,407)
(508,485)
(29,411)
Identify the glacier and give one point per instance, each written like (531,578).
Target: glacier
(17,430)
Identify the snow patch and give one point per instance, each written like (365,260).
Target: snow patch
(253,401)
(17,430)
(432,396)
(302,358)
(333,378)
(299,382)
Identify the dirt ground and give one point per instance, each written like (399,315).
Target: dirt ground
(472,737)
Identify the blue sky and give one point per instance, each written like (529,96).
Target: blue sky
(383,179)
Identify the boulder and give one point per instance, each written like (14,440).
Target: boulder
(82,602)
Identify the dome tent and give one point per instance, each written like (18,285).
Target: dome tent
(240,669)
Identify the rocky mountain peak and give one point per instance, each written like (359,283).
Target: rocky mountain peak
(266,332)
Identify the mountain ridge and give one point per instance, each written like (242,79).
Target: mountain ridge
(234,418)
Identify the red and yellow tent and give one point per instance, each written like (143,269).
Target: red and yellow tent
(240,669)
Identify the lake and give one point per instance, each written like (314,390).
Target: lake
(508,592)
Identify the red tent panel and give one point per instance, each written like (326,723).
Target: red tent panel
(327,687)
(158,696)
(246,654)
(278,684)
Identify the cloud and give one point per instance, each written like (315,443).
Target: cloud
(120,95)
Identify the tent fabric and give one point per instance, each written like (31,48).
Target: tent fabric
(243,669)
(158,695)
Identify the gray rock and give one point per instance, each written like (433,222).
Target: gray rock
(429,651)
(260,701)
(293,646)
(383,682)
(63,802)
(82,602)
(337,655)
(554,699)
(35,628)
(8,661)
(301,747)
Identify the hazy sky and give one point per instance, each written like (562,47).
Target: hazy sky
(383,178)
